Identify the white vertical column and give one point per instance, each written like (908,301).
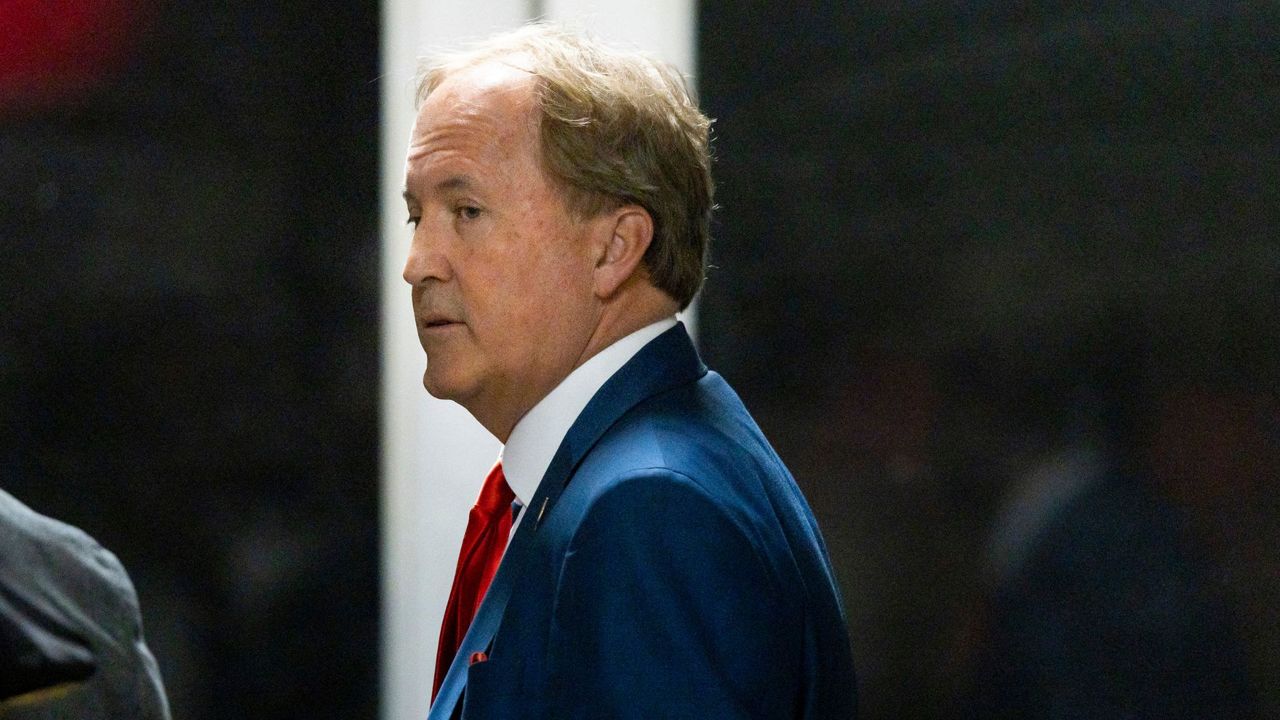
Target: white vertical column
(433,453)
(663,28)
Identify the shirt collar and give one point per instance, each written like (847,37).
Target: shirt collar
(536,437)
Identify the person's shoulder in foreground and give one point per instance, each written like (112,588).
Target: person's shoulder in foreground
(71,640)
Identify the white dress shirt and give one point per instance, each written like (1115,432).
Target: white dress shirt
(536,436)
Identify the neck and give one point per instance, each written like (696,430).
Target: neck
(630,310)
(635,308)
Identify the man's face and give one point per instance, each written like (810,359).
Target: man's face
(501,272)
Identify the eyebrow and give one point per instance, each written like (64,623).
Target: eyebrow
(456,182)
(453,182)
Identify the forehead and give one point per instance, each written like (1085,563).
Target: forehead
(475,111)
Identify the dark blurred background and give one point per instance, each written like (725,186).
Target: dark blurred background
(1001,283)
(188,327)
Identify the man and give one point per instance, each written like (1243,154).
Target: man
(70,633)
(663,563)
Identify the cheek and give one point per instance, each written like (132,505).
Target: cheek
(564,285)
(535,281)
(552,272)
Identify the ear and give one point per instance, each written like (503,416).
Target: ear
(630,230)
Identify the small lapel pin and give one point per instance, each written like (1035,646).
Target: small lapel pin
(540,511)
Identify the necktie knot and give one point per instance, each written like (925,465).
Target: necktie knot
(496,495)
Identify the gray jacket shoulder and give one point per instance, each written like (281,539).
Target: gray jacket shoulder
(70,625)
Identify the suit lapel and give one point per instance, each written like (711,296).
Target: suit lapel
(668,361)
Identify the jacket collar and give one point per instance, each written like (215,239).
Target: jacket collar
(669,361)
(536,437)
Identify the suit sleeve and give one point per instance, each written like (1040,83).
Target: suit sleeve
(667,608)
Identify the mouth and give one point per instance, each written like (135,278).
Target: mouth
(436,323)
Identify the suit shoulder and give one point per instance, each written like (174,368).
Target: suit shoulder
(54,540)
(41,551)
(692,421)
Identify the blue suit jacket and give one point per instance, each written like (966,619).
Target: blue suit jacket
(668,567)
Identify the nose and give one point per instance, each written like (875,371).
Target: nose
(426,259)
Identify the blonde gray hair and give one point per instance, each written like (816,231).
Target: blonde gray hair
(616,128)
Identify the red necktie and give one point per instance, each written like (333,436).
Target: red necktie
(488,528)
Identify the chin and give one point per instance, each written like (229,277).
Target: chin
(441,386)
(433,386)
